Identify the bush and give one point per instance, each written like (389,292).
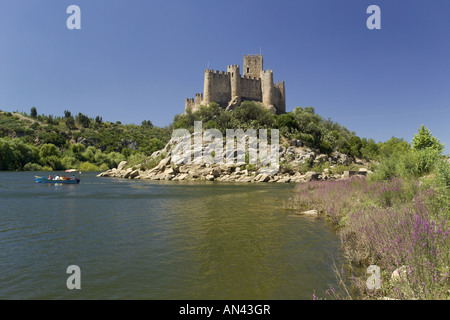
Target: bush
(442,169)
(69,162)
(32,167)
(87,166)
(53,162)
(48,150)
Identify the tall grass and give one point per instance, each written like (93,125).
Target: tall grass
(392,224)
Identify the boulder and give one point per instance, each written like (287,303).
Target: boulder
(311,213)
(134,174)
(164,162)
(170,171)
(246,179)
(215,172)
(343,159)
(127,173)
(121,165)
(180,177)
(311,175)
(284,180)
(321,158)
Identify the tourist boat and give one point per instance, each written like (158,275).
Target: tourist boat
(60,180)
(63,181)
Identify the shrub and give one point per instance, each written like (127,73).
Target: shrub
(87,166)
(69,162)
(32,167)
(48,150)
(443,173)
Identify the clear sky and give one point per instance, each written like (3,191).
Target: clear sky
(138,60)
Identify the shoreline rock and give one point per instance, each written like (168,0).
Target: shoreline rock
(295,154)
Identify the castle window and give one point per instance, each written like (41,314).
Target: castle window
(248,70)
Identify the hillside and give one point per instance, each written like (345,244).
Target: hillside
(308,142)
(40,142)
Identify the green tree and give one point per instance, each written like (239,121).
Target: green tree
(83,120)
(425,140)
(147,124)
(48,150)
(33,112)
(98,120)
(70,122)
(394,146)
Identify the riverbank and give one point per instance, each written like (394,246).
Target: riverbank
(401,226)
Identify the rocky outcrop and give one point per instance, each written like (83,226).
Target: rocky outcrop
(292,155)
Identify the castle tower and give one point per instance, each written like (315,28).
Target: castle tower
(208,87)
(282,104)
(235,80)
(253,65)
(267,88)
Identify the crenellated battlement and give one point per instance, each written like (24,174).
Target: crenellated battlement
(228,88)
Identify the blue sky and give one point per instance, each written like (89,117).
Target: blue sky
(138,60)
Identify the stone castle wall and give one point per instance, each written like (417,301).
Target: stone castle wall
(251,89)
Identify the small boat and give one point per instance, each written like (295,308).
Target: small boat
(63,181)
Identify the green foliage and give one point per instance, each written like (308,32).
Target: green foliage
(393,147)
(48,150)
(70,122)
(87,166)
(33,112)
(369,149)
(418,162)
(14,154)
(408,165)
(398,159)
(442,169)
(69,162)
(136,159)
(147,123)
(113,159)
(33,167)
(83,120)
(424,140)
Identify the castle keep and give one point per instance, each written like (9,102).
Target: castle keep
(229,88)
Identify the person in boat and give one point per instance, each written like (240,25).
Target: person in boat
(74,178)
(50,177)
(57,177)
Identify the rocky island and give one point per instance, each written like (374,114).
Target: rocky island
(292,157)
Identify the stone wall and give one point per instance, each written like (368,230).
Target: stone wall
(251,89)
(219,87)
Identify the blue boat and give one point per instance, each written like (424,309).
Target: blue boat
(65,181)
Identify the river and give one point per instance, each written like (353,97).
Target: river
(136,239)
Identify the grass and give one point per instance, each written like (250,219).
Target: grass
(391,224)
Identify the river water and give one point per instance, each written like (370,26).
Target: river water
(136,239)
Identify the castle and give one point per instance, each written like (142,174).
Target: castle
(229,89)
